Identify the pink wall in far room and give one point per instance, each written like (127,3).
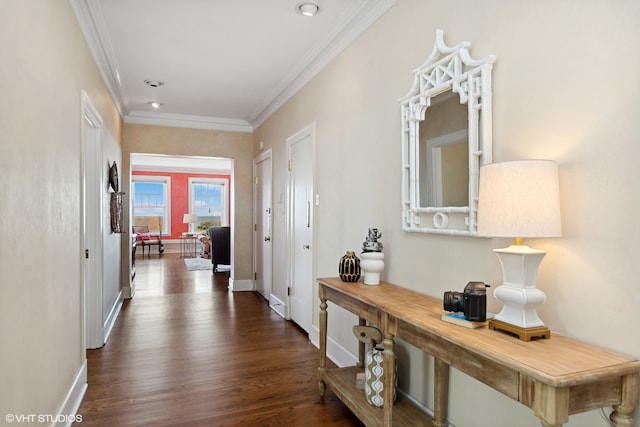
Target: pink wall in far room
(180,197)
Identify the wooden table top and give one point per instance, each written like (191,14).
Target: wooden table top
(558,361)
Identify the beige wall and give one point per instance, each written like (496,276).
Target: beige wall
(209,143)
(45,65)
(565,88)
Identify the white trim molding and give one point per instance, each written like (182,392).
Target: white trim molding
(241,285)
(92,25)
(335,352)
(67,413)
(320,57)
(188,121)
(277,305)
(113,315)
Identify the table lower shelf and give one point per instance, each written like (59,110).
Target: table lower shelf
(342,382)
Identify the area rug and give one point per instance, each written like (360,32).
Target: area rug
(198,264)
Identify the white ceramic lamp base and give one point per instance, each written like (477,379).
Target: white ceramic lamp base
(518,293)
(371,264)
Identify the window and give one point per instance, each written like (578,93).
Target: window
(208,201)
(152,202)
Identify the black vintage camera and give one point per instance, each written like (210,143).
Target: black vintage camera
(473,301)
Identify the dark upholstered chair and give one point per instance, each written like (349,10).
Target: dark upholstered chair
(220,246)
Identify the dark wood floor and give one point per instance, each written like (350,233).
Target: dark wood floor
(186,352)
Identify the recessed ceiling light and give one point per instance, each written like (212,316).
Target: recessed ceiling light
(153,83)
(308,9)
(155,104)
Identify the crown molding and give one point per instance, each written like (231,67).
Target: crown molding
(91,24)
(187,121)
(166,163)
(320,57)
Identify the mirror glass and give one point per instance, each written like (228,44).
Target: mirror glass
(444,153)
(446,137)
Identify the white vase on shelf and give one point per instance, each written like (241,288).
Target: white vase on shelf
(371,264)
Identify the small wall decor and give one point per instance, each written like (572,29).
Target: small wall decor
(115,207)
(116,213)
(372,257)
(113,177)
(349,267)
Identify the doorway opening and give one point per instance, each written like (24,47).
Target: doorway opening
(182,199)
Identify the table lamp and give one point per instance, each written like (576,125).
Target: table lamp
(519,199)
(190,219)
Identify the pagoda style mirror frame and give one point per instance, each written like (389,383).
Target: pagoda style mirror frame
(448,71)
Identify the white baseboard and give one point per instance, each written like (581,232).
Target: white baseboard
(335,352)
(67,413)
(241,285)
(277,305)
(111,318)
(314,336)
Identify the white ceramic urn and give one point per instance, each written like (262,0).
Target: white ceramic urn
(371,264)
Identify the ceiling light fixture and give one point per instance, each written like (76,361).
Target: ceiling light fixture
(308,9)
(155,104)
(153,83)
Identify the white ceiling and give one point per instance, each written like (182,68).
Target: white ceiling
(225,64)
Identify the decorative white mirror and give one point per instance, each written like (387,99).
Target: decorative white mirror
(446,137)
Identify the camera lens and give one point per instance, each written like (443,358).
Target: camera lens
(453,301)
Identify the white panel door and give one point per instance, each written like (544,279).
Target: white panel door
(301,227)
(263,245)
(91,225)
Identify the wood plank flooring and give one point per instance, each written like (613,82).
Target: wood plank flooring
(187,352)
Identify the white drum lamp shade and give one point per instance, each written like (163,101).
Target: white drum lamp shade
(519,199)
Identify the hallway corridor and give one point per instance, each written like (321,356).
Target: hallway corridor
(187,352)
